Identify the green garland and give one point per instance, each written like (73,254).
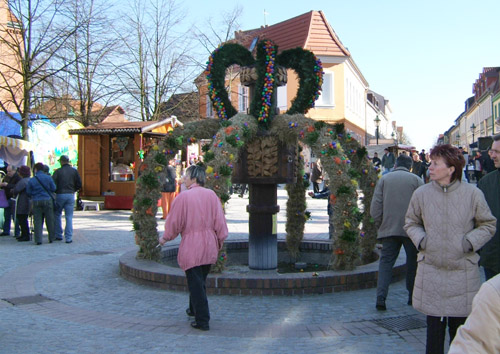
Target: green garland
(310,72)
(222,58)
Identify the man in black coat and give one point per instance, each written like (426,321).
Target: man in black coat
(68,182)
(490,185)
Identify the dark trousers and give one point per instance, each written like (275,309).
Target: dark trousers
(315,187)
(24,225)
(390,251)
(198,302)
(436,332)
(8,215)
(489,273)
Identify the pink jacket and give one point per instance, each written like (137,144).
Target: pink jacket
(197,215)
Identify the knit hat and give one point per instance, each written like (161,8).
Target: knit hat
(24,171)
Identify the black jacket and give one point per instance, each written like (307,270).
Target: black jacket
(67,180)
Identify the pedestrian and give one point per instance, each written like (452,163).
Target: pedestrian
(376,160)
(478,166)
(481,331)
(168,190)
(448,221)
(416,166)
(23,203)
(425,167)
(316,175)
(388,208)
(388,161)
(422,155)
(490,185)
(197,215)
(9,213)
(40,189)
(68,182)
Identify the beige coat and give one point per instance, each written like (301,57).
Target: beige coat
(450,225)
(481,331)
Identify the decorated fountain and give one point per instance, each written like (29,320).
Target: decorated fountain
(262,148)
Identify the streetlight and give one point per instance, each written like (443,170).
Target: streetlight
(458,139)
(377,124)
(473,127)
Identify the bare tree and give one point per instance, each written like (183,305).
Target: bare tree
(214,32)
(37,30)
(90,76)
(158,62)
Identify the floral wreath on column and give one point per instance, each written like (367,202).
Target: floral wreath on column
(342,157)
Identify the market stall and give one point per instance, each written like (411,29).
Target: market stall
(109,155)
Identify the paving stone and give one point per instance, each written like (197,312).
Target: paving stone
(93,310)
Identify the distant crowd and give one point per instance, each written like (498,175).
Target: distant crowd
(31,199)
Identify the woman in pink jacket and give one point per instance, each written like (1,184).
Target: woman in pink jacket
(198,216)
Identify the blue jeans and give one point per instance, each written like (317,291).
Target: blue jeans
(65,202)
(8,215)
(390,251)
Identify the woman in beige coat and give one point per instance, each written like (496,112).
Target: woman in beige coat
(448,221)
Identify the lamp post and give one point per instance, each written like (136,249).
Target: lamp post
(377,124)
(472,128)
(458,139)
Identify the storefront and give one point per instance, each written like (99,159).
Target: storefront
(110,154)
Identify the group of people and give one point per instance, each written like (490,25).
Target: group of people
(448,228)
(419,165)
(44,197)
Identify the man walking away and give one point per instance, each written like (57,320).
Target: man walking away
(490,186)
(68,182)
(388,208)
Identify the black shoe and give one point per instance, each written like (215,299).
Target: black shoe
(199,326)
(381,305)
(69,241)
(38,243)
(410,302)
(5,234)
(189,313)
(22,239)
(58,239)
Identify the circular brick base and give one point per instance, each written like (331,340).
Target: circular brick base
(244,281)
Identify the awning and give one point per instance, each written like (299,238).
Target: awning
(15,151)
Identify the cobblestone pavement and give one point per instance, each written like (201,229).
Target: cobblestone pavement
(70,298)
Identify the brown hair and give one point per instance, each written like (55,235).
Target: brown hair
(452,157)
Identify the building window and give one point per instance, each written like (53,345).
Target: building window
(326,98)
(282,98)
(242,98)
(209,108)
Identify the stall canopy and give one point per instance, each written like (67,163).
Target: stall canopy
(15,151)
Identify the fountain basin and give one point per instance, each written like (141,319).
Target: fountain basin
(238,279)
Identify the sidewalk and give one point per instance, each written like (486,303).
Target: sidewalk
(70,298)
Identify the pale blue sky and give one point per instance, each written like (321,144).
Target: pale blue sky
(423,56)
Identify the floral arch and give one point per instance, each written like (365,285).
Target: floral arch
(342,156)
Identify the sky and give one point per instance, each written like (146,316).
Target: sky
(423,56)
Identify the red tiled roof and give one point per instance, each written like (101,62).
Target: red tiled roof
(309,31)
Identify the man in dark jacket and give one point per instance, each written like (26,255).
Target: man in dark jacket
(8,185)
(490,185)
(68,182)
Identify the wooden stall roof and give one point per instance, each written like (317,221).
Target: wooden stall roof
(127,127)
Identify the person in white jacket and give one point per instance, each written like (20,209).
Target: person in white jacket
(481,331)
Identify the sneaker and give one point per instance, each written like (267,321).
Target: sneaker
(381,304)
